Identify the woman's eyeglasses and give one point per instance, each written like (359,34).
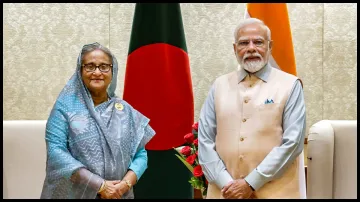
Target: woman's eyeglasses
(91,67)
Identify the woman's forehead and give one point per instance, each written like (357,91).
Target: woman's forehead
(96,55)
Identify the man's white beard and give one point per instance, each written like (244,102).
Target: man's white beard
(251,66)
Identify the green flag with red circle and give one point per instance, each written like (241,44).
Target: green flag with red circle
(158,84)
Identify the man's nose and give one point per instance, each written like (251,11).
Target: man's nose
(251,47)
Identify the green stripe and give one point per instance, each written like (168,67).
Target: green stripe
(165,178)
(157,23)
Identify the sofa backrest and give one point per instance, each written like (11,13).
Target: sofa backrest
(24,158)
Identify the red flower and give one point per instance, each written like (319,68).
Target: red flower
(198,171)
(186,150)
(195,126)
(196,141)
(197,153)
(206,182)
(191,159)
(189,138)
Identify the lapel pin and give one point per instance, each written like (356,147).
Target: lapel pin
(119,106)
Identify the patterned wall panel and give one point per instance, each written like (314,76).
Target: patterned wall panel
(41,45)
(306,22)
(121,17)
(42,42)
(209,30)
(340,61)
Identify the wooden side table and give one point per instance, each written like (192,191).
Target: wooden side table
(197,194)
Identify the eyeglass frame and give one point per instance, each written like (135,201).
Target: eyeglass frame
(236,43)
(97,67)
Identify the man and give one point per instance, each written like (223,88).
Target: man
(252,124)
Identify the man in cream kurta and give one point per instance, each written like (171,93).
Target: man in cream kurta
(252,125)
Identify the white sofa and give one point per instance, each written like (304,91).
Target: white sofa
(331,167)
(24,159)
(332,161)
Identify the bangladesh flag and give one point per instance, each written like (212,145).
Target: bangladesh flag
(158,84)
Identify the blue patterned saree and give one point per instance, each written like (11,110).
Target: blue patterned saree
(86,144)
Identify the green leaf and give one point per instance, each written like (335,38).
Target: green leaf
(195,134)
(196,183)
(185,163)
(193,182)
(204,191)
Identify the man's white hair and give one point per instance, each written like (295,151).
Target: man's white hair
(249,21)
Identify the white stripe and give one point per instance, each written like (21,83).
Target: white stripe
(273,62)
(247,15)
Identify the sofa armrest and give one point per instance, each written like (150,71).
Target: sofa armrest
(320,145)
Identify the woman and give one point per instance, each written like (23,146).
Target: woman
(95,141)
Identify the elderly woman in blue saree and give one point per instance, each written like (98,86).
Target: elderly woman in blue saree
(95,141)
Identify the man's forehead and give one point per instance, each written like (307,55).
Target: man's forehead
(254,30)
(253,37)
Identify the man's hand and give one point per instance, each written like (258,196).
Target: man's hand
(112,190)
(237,189)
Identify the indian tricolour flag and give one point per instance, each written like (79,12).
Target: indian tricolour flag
(275,16)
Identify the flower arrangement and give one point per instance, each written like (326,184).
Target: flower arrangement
(188,154)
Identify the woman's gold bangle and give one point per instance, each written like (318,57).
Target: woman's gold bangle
(128,183)
(103,186)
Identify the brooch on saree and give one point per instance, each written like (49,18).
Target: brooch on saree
(119,106)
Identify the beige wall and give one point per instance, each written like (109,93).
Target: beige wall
(42,41)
